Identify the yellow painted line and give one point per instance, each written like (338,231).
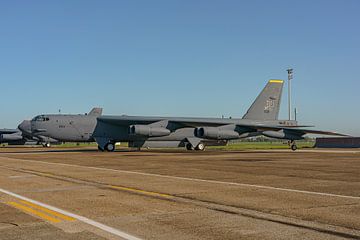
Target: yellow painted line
(59,215)
(141,191)
(34,212)
(276,81)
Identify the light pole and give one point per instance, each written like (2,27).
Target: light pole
(290,76)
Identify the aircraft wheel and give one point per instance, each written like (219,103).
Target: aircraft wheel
(294,147)
(46,145)
(200,147)
(189,147)
(110,147)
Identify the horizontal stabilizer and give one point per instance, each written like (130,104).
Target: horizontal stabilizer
(95,112)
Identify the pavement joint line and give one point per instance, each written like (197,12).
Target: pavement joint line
(140,191)
(192,179)
(34,212)
(123,188)
(91,222)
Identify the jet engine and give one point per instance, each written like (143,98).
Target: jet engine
(216,133)
(10,137)
(148,131)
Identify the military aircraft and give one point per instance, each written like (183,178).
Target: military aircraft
(23,136)
(67,127)
(192,133)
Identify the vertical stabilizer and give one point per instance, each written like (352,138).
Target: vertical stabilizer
(95,112)
(267,104)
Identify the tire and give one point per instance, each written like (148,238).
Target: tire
(46,145)
(110,147)
(200,147)
(189,147)
(293,147)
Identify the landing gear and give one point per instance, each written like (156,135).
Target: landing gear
(200,147)
(100,149)
(189,147)
(110,147)
(292,144)
(46,145)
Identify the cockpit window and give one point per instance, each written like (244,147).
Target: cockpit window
(41,118)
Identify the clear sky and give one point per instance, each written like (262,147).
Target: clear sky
(179,58)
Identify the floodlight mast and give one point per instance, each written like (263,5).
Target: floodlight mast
(290,76)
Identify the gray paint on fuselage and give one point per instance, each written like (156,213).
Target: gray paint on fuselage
(69,128)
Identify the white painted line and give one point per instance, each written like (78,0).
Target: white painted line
(194,179)
(78,217)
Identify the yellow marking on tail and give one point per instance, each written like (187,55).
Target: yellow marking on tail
(59,215)
(276,81)
(34,212)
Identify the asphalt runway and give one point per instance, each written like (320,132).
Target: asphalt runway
(173,194)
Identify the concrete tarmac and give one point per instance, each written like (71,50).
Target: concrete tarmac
(173,194)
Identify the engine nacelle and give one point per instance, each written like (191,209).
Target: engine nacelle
(148,131)
(216,133)
(10,137)
(282,134)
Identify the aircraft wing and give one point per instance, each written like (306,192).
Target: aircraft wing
(310,131)
(181,122)
(208,122)
(8,131)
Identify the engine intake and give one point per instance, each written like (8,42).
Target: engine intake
(216,133)
(148,131)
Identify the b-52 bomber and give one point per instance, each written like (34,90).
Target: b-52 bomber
(192,133)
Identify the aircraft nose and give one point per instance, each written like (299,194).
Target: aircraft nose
(36,128)
(21,127)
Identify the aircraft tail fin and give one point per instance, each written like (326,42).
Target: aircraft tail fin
(267,105)
(95,112)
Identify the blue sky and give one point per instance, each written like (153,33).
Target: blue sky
(179,58)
